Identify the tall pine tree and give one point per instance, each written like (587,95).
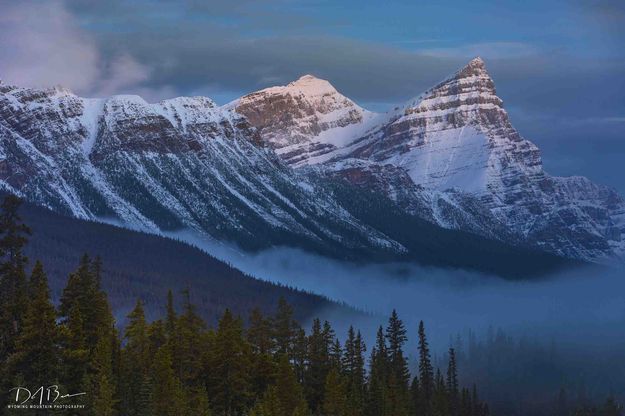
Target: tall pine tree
(13,283)
(452,383)
(399,376)
(261,342)
(426,371)
(36,358)
(228,367)
(377,395)
(285,328)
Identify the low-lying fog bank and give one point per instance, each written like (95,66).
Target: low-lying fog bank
(522,341)
(448,300)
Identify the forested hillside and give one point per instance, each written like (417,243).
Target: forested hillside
(138,265)
(73,359)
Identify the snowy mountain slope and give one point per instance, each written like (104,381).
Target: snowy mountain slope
(186,164)
(182,163)
(454,147)
(289,117)
(450,157)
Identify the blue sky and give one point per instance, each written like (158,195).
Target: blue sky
(558,65)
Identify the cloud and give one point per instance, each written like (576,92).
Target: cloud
(124,72)
(448,300)
(487,50)
(44,45)
(161,48)
(365,71)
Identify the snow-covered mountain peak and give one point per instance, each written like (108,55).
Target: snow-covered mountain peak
(127,99)
(187,102)
(305,118)
(456,137)
(468,97)
(311,86)
(450,157)
(475,64)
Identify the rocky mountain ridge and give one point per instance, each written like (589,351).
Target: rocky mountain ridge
(262,171)
(456,144)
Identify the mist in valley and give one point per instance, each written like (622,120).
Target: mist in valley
(522,340)
(451,300)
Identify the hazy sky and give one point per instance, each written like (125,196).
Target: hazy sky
(559,66)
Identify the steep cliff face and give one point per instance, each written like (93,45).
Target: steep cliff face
(458,136)
(471,170)
(303,119)
(180,164)
(261,171)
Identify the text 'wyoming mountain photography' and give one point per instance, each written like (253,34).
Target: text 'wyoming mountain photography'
(312,208)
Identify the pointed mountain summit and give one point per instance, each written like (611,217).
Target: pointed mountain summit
(469,95)
(450,157)
(476,66)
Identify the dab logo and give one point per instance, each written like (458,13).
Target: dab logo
(43,397)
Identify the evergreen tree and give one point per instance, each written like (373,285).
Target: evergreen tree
(328,336)
(336,355)
(136,389)
(259,333)
(167,394)
(199,404)
(37,351)
(318,365)
(228,367)
(300,354)
(416,398)
(466,408)
(171,318)
(440,401)
(144,401)
(83,291)
(399,375)
(475,403)
(74,355)
(261,342)
(452,383)
(96,271)
(136,334)
(426,372)
(377,403)
(285,397)
(354,369)
(334,401)
(103,386)
(189,349)
(13,282)
(284,328)
(104,397)
(157,336)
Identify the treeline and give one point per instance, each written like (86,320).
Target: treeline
(178,366)
(140,265)
(523,375)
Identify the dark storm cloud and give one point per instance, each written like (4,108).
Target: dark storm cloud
(240,46)
(366,72)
